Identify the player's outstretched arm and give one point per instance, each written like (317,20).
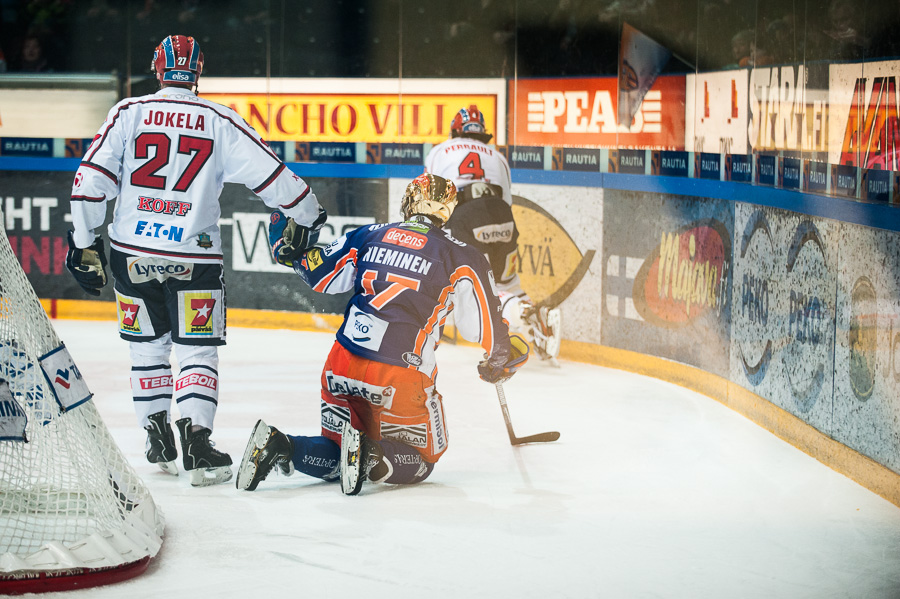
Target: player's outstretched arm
(505,361)
(288,240)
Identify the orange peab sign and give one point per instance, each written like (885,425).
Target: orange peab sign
(385,118)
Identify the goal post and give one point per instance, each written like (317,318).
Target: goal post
(73,512)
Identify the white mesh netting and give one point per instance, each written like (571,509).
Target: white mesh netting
(68,498)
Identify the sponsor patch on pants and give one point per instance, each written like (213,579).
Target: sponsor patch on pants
(201,314)
(134,319)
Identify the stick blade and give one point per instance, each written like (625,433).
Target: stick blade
(548,437)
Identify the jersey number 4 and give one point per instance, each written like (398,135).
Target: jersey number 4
(200,149)
(471,166)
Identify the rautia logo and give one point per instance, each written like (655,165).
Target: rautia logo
(405,239)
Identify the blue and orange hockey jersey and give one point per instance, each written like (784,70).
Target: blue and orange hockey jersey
(407,278)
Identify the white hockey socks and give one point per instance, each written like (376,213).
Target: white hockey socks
(197,385)
(151,378)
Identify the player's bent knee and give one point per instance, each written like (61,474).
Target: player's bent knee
(401,465)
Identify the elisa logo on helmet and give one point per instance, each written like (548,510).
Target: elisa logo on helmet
(468,120)
(177,59)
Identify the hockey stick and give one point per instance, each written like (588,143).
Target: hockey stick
(513,439)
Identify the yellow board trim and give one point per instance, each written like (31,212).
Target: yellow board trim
(862,469)
(867,472)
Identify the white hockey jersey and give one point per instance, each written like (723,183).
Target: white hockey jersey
(464,160)
(166,157)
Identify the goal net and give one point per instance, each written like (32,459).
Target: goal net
(73,513)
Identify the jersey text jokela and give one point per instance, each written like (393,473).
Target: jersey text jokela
(406,278)
(165,158)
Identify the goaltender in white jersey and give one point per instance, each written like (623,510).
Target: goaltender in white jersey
(164,158)
(484,219)
(467,160)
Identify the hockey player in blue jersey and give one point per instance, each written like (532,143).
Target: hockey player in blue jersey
(382,416)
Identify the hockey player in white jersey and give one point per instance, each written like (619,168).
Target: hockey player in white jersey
(484,219)
(164,158)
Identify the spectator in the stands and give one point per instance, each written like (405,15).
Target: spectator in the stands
(32,58)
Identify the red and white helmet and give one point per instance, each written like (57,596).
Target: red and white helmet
(467,120)
(177,60)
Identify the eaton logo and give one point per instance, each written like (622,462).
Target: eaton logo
(158,230)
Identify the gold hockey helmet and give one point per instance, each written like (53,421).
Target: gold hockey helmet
(430,195)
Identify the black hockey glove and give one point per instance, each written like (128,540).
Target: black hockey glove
(504,363)
(87,265)
(288,240)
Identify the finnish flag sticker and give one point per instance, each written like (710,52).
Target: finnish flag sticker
(66,382)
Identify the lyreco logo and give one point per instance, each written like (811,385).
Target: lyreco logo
(498,233)
(583,111)
(405,238)
(141,270)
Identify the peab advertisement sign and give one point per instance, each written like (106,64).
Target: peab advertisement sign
(582,112)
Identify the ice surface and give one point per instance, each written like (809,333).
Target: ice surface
(652,491)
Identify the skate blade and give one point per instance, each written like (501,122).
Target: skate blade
(168,468)
(247,470)
(350,466)
(205,477)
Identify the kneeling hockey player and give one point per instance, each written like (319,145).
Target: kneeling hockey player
(382,417)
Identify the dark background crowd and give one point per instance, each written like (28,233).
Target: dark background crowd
(424,38)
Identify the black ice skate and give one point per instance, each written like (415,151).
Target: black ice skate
(161,448)
(207,465)
(268,447)
(358,456)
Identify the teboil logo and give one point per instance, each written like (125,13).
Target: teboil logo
(156,382)
(405,238)
(200,380)
(550,265)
